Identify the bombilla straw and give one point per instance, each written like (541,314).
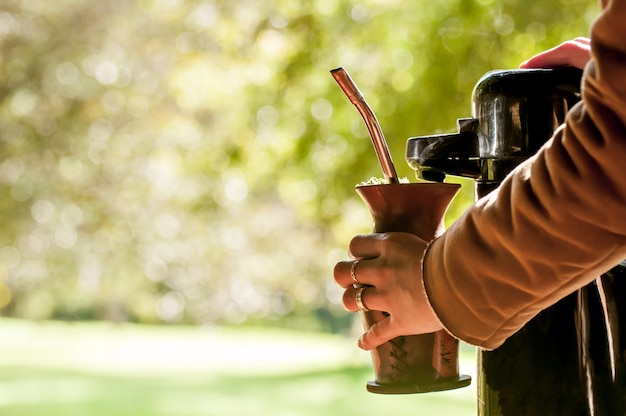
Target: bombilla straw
(378,140)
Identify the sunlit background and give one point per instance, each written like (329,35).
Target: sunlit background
(192,163)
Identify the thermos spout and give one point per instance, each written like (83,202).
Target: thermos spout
(457,154)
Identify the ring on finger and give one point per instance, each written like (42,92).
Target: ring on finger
(359,299)
(353,272)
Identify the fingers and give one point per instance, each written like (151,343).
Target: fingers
(385,276)
(368,296)
(355,272)
(583,40)
(378,334)
(345,273)
(367,246)
(361,247)
(384,331)
(575,53)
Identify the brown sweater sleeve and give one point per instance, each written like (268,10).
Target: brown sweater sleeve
(556,223)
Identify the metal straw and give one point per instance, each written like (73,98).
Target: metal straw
(378,140)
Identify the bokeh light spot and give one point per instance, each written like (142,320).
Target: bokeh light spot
(65,236)
(67,73)
(236,189)
(321,109)
(42,211)
(23,102)
(106,72)
(171,306)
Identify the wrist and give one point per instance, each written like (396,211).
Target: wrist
(432,316)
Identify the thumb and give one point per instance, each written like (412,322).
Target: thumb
(379,333)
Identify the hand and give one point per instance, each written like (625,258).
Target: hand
(390,264)
(574,53)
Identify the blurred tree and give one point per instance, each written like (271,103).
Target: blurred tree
(193,161)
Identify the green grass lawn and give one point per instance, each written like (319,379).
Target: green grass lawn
(89,369)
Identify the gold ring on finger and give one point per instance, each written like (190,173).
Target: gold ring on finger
(359,299)
(353,271)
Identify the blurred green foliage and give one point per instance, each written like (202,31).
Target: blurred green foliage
(194,161)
